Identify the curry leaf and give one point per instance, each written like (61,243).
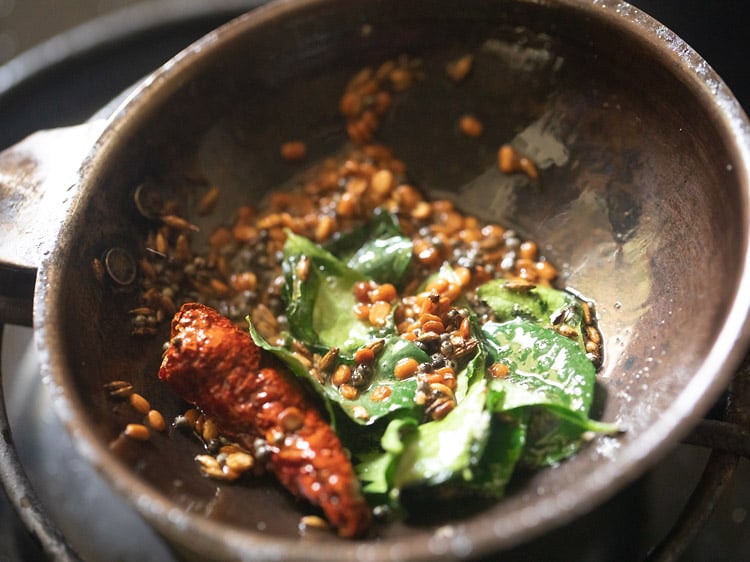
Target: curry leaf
(543,362)
(320,302)
(551,376)
(376,472)
(438,451)
(534,303)
(400,393)
(377,249)
(539,304)
(536,415)
(376,468)
(505,444)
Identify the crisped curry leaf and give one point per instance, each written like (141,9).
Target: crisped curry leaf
(442,450)
(376,472)
(320,305)
(542,305)
(320,309)
(401,397)
(535,416)
(376,468)
(378,249)
(543,362)
(551,376)
(505,444)
(535,304)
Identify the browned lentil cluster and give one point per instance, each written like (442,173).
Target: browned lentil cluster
(240,273)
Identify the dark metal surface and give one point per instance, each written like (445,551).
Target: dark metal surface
(729,439)
(721,435)
(85,66)
(20,491)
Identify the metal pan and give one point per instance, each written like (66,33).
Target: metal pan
(643,203)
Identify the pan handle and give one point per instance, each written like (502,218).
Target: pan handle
(39,180)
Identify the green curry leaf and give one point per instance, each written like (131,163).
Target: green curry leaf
(552,377)
(505,444)
(378,249)
(541,305)
(376,469)
(449,448)
(320,304)
(400,398)
(534,304)
(543,362)
(401,392)
(536,415)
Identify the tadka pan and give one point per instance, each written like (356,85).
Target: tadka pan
(642,204)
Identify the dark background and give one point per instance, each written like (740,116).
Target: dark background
(717,29)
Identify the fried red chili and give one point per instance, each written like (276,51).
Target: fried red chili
(217,367)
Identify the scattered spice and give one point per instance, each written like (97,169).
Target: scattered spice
(137,431)
(470,126)
(458,69)
(156,420)
(293,151)
(139,403)
(511,161)
(209,200)
(240,273)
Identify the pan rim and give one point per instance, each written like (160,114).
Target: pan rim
(727,349)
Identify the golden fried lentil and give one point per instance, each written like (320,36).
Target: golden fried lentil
(139,403)
(137,431)
(458,69)
(156,420)
(470,126)
(293,151)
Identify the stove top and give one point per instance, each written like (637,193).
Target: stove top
(67,84)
